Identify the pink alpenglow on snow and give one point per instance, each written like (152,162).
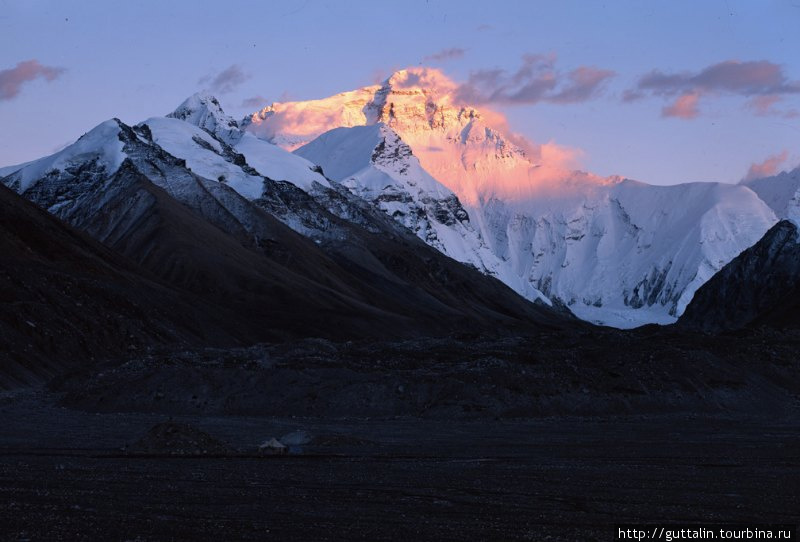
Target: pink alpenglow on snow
(470,151)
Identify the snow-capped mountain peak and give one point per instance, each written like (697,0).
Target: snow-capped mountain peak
(344,152)
(101,146)
(614,251)
(375,164)
(468,149)
(216,153)
(204,111)
(781,192)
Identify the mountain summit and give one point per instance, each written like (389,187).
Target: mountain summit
(424,107)
(615,251)
(258,236)
(405,157)
(204,111)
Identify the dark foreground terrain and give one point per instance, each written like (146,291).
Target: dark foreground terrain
(549,437)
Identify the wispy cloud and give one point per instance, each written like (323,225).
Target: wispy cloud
(225,81)
(254,101)
(684,107)
(536,80)
(632,95)
(583,84)
(765,106)
(744,78)
(763,82)
(768,167)
(445,54)
(12,79)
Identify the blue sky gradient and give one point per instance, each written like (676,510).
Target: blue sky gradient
(134,60)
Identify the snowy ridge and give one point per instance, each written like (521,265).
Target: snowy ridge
(204,155)
(193,165)
(78,183)
(216,167)
(781,192)
(456,143)
(757,288)
(616,252)
(204,111)
(275,163)
(630,253)
(345,153)
(8,170)
(375,164)
(101,145)
(292,125)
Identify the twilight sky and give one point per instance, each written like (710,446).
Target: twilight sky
(663,92)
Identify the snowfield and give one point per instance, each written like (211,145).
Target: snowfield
(615,251)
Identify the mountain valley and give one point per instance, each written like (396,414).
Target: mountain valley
(381,314)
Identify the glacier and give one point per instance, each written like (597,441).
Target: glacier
(615,251)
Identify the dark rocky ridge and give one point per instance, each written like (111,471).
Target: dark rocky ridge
(243,275)
(759,287)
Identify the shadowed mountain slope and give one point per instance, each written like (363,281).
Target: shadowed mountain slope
(229,262)
(67,299)
(761,286)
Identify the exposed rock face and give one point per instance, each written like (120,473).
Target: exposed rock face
(204,110)
(376,165)
(615,251)
(343,270)
(761,286)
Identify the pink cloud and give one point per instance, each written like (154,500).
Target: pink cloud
(432,78)
(762,105)
(768,167)
(685,107)
(12,79)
